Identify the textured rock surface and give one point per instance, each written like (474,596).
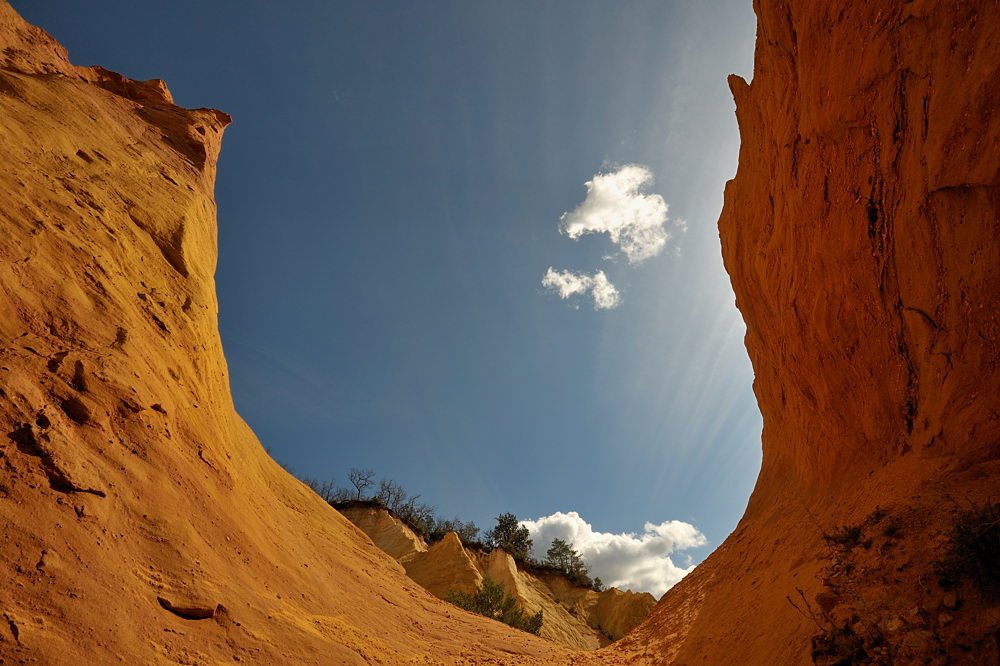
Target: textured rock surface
(142,522)
(574,616)
(443,567)
(386,531)
(618,612)
(559,624)
(861,234)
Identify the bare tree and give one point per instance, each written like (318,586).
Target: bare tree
(391,494)
(361,479)
(325,489)
(467,532)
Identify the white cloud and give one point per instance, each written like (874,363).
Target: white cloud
(640,562)
(568,283)
(614,205)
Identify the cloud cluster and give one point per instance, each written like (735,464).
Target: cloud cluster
(568,283)
(633,221)
(615,206)
(640,562)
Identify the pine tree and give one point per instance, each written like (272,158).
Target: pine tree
(511,536)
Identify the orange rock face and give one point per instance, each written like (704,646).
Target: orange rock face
(143,523)
(861,235)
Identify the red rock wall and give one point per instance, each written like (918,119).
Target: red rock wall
(861,235)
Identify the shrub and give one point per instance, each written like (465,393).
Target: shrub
(325,489)
(844,538)
(491,600)
(467,531)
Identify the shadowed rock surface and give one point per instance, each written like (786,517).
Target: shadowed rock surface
(861,236)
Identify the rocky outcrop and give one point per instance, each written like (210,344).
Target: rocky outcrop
(142,521)
(861,235)
(385,530)
(574,615)
(444,567)
(618,612)
(561,621)
(611,612)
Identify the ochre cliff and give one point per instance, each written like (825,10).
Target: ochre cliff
(574,615)
(861,236)
(385,530)
(133,499)
(444,566)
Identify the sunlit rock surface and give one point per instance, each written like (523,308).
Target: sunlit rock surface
(445,566)
(385,530)
(573,615)
(143,523)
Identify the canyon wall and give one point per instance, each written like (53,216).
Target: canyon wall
(142,521)
(861,235)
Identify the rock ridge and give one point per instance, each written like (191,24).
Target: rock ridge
(577,616)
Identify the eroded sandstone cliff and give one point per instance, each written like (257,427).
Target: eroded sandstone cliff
(142,521)
(861,235)
(574,615)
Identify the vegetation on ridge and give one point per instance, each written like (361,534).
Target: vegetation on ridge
(422,518)
(568,562)
(508,534)
(492,600)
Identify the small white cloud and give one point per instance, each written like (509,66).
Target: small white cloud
(640,562)
(615,206)
(568,283)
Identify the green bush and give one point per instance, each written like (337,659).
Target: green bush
(491,600)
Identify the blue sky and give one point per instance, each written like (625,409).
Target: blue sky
(390,195)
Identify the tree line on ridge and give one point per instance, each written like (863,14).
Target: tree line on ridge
(508,534)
